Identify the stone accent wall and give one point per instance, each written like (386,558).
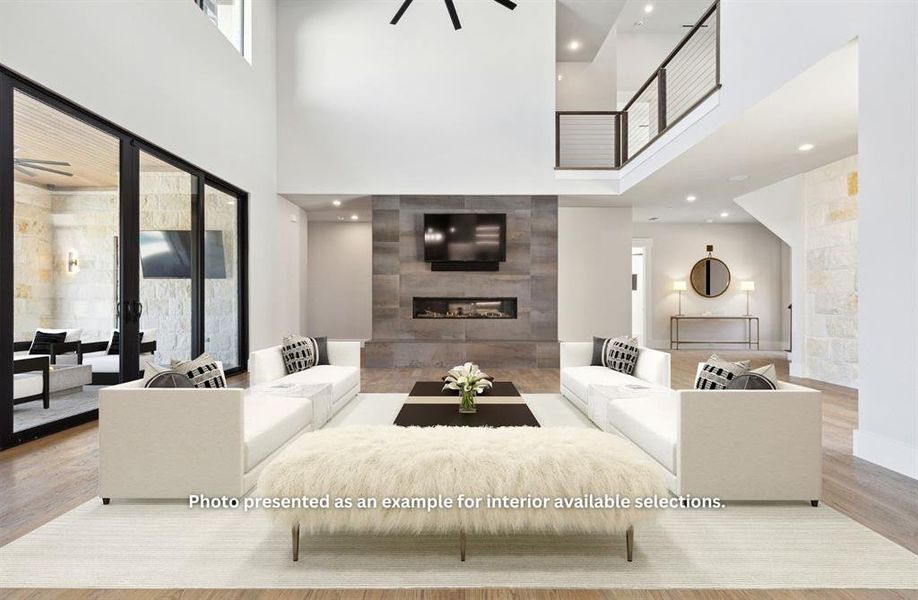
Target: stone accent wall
(33,283)
(831,272)
(86,223)
(530,274)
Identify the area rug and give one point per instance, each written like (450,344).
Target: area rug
(166,545)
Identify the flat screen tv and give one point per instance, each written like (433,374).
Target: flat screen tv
(167,255)
(467,237)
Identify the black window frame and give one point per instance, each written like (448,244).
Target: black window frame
(242,37)
(129,232)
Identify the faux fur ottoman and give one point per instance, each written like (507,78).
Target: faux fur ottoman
(497,479)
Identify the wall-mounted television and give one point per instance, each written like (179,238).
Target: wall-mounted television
(465,238)
(167,255)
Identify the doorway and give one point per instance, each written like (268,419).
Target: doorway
(640,291)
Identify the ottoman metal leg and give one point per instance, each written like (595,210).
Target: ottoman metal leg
(296,542)
(629,542)
(462,545)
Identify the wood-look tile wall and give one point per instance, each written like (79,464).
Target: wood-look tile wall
(530,274)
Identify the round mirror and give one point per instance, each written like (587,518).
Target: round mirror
(710,277)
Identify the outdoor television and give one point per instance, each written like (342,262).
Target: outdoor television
(167,255)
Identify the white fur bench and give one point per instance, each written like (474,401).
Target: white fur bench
(396,462)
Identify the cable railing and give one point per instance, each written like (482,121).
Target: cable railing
(685,79)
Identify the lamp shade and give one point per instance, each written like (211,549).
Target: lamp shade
(679,286)
(747,286)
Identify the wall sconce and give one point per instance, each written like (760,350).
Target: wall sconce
(747,286)
(73,265)
(680,286)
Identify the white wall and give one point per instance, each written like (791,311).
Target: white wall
(589,85)
(594,272)
(367,107)
(750,251)
(340,275)
(639,55)
(164,72)
(781,208)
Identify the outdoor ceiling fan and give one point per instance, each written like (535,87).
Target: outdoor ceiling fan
(450,8)
(26,166)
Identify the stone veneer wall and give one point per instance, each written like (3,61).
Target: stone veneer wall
(530,274)
(830,194)
(33,261)
(50,225)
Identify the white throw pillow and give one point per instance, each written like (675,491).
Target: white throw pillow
(768,372)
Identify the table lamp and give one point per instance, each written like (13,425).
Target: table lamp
(747,286)
(679,286)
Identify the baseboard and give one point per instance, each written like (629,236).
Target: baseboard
(888,453)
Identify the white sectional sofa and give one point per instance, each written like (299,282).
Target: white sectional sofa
(343,374)
(653,368)
(732,444)
(171,443)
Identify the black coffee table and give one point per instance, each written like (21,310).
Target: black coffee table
(501,406)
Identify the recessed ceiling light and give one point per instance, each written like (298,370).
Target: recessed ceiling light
(648,8)
(560,77)
(340,218)
(739,178)
(336,202)
(805,147)
(690,198)
(724,215)
(354,217)
(574,45)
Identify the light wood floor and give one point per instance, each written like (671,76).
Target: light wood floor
(43,479)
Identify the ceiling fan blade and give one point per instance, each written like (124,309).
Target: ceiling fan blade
(451,8)
(507,3)
(44,162)
(400,12)
(24,171)
(55,171)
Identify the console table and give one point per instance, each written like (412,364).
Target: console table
(750,341)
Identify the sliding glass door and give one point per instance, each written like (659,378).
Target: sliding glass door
(65,263)
(221,272)
(168,196)
(114,254)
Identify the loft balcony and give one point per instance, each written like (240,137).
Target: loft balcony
(609,140)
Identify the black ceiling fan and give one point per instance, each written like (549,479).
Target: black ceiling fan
(450,8)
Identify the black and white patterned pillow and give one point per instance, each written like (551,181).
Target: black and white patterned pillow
(204,372)
(620,354)
(300,353)
(715,374)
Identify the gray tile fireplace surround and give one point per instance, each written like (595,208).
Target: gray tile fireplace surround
(400,275)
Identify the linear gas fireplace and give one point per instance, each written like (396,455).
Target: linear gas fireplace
(464,308)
